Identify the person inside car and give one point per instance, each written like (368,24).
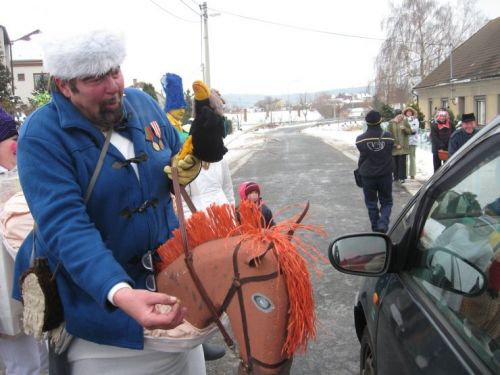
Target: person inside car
(460,136)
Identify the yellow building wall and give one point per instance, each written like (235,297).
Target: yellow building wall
(489,89)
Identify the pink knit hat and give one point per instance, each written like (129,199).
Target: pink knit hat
(252,186)
(241,190)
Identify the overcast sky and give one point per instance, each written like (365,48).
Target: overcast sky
(246,56)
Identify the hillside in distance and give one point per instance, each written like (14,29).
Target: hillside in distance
(249,100)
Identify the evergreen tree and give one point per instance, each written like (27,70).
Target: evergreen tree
(5,87)
(149,89)
(42,83)
(188,97)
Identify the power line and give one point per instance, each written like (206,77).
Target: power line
(172,14)
(295,26)
(191,9)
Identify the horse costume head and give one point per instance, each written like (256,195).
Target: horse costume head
(254,274)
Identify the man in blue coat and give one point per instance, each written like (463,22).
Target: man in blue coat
(99,245)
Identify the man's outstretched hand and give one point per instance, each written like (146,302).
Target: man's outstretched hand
(140,305)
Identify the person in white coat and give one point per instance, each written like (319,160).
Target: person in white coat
(213,185)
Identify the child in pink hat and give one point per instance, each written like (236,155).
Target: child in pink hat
(251,191)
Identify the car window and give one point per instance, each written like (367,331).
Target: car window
(459,256)
(404,222)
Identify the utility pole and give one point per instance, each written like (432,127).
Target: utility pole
(203,8)
(452,88)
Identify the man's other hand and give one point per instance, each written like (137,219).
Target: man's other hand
(187,169)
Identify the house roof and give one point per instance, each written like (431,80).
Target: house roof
(475,59)
(30,62)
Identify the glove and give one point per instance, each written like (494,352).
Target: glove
(188,168)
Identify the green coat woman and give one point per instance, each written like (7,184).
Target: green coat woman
(401,131)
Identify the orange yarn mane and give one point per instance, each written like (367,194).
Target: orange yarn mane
(220,222)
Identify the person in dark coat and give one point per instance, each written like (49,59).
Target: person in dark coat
(441,130)
(462,135)
(375,167)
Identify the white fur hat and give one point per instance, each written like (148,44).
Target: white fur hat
(87,54)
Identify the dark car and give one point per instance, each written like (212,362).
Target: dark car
(432,305)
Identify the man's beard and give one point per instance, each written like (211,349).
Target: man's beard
(108,118)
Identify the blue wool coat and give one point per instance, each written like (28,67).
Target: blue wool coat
(101,243)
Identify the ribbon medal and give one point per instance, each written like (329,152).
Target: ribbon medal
(153,135)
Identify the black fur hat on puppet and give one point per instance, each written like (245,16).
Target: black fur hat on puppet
(207,129)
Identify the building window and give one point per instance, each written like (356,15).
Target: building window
(20,77)
(480,110)
(444,103)
(41,81)
(461,105)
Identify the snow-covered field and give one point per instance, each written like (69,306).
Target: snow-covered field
(276,117)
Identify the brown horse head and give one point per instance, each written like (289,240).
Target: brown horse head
(255,275)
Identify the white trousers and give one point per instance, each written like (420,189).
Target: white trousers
(86,357)
(23,355)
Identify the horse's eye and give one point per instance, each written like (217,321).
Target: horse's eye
(263,303)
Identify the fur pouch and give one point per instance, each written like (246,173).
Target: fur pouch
(42,307)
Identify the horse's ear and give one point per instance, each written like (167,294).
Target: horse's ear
(253,260)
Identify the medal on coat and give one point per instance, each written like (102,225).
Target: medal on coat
(153,135)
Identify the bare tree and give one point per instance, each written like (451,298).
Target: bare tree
(420,35)
(303,105)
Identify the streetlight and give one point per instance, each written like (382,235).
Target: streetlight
(26,37)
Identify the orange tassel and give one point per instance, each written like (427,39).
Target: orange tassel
(220,222)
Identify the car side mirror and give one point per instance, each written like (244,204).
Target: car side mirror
(364,254)
(449,271)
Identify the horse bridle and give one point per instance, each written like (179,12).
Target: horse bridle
(236,285)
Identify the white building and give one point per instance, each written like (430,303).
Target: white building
(27,74)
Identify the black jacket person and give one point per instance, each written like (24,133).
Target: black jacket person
(375,167)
